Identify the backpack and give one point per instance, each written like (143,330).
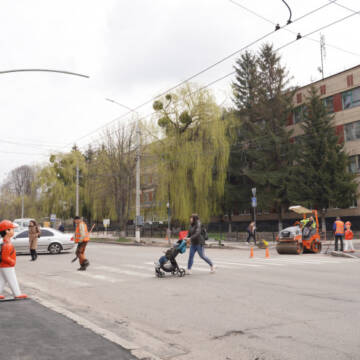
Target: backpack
(204,233)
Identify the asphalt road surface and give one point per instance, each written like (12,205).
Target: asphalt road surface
(284,308)
(30,331)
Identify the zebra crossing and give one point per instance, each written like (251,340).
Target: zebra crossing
(122,273)
(145,270)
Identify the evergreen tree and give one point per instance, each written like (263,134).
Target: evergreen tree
(262,149)
(321,177)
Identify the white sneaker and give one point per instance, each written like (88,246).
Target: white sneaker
(188,272)
(212,269)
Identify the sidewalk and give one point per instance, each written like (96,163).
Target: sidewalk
(32,331)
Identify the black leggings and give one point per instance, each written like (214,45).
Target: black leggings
(250,235)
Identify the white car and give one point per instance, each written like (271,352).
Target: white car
(51,241)
(22,224)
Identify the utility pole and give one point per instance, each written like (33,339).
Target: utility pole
(322,54)
(77,191)
(22,205)
(137,232)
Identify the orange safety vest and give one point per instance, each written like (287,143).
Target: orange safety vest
(340,227)
(78,234)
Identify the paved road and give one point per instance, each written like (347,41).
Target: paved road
(285,307)
(30,331)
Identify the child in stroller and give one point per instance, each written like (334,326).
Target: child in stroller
(168,263)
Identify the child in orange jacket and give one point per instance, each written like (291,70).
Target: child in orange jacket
(8,261)
(349,235)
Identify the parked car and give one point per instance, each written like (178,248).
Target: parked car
(51,241)
(22,224)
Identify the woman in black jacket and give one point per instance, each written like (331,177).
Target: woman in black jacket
(197,243)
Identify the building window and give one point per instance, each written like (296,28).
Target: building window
(352,131)
(354,163)
(299,114)
(329,104)
(351,98)
(322,89)
(299,98)
(350,80)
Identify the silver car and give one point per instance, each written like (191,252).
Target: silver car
(51,241)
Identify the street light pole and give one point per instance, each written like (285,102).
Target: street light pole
(254,205)
(77,191)
(137,233)
(169,222)
(138,159)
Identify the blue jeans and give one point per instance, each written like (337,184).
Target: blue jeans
(200,250)
(163,260)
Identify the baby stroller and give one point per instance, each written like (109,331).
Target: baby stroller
(168,263)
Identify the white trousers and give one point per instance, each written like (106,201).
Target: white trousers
(348,245)
(8,276)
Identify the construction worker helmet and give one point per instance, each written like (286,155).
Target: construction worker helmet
(6,225)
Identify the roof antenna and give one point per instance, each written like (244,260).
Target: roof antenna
(290,15)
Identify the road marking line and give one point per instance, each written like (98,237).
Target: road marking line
(100,277)
(121,272)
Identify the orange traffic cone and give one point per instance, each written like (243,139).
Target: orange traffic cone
(251,252)
(267,254)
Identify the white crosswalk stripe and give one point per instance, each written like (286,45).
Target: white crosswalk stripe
(99,277)
(120,271)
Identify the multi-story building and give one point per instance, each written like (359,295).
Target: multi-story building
(341,95)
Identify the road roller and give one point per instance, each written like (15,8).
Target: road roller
(298,239)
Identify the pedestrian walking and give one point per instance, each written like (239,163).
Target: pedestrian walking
(34,234)
(8,261)
(61,227)
(349,235)
(197,243)
(339,230)
(81,238)
(251,232)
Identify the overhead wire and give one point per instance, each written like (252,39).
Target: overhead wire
(199,73)
(293,32)
(279,48)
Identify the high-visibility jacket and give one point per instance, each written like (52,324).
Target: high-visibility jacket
(8,254)
(349,235)
(81,233)
(303,222)
(339,227)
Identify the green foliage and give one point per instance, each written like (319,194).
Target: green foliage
(321,178)
(261,153)
(192,155)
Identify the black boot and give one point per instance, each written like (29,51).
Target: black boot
(32,255)
(35,255)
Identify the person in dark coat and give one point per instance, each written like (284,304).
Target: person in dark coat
(197,243)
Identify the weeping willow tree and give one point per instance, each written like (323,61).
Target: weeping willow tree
(57,184)
(192,154)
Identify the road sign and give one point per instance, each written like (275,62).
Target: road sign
(53,217)
(139,221)
(253,202)
(106,222)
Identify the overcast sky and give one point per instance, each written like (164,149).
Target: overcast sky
(133,50)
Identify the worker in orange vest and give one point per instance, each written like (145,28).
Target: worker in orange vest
(81,238)
(339,231)
(8,261)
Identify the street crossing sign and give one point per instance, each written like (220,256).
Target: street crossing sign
(253,202)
